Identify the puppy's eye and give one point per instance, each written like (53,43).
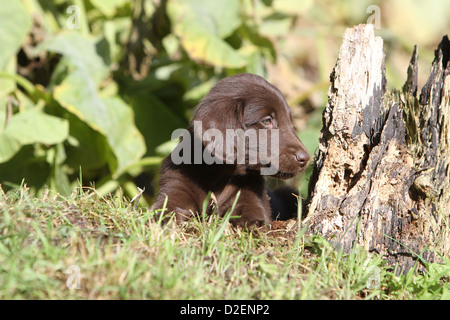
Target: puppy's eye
(267,121)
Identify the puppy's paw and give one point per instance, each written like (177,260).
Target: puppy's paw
(250,218)
(178,215)
(181,215)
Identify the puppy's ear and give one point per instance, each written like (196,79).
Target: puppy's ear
(210,125)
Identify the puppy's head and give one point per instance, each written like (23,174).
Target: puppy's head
(244,120)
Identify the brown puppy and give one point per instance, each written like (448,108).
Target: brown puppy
(241,131)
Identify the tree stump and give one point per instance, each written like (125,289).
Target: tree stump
(381,176)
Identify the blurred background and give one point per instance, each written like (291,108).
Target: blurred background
(91,90)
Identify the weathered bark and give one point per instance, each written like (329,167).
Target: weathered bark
(381,176)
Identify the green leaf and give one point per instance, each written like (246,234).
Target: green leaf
(27,164)
(111,117)
(58,180)
(166,148)
(108,7)
(9,146)
(220,18)
(202,25)
(79,93)
(201,90)
(124,138)
(149,111)
(28,127)
(260,42)
(81,52)
(34,126)
(87,148)
(15,22)
(8,85)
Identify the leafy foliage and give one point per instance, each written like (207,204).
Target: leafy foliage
(122,75)
(93,90)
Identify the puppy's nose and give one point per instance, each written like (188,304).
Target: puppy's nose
(302,158)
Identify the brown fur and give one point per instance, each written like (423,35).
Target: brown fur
(242,101)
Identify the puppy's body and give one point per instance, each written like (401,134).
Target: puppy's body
(243,102)
(187,186)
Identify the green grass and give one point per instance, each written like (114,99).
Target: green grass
(120,252)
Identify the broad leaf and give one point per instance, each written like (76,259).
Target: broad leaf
(79,94)
(87,148)
(81,52)
(108,7)
(111,117)
(15,22)
(202,25)
(28,127)
(9,146)
(149,112)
